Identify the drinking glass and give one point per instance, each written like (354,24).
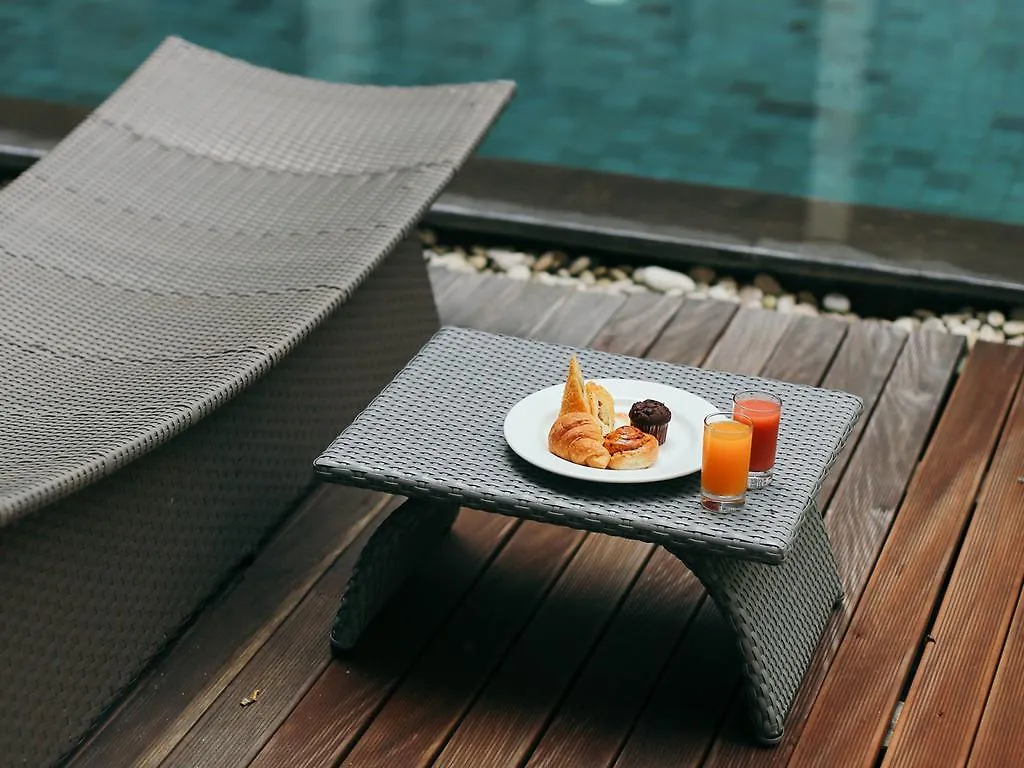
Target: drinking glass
(763,409)
(726,458)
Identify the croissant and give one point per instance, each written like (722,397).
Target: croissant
(576,437)
(630,448)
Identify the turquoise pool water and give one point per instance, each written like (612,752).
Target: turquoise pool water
(914,104)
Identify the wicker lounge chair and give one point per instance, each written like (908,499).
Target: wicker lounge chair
(199,287)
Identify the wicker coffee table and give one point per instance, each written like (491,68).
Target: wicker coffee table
(435,435)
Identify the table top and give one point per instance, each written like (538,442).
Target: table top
(436,431)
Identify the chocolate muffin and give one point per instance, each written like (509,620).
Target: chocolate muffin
(651,417)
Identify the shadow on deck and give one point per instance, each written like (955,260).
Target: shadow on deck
(524,644)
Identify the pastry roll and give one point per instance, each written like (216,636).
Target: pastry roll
(630,448)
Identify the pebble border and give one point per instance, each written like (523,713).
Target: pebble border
(765,292)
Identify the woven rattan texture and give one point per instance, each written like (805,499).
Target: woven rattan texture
(95,584)
(436,431)
(205,219)
(778,613)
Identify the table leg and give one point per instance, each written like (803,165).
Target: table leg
(778,613)
(400,543)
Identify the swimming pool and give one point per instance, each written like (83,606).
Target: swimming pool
(915,104)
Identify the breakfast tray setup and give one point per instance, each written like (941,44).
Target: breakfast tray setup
(454,428)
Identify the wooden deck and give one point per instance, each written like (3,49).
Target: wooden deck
(524,644)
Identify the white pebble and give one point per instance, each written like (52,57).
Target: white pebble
(973,323)
(988,333)
(786,303)
(751,293)
(1016,341)
(933,324)
(956,318)
(454,261)
(805,309)
(768,284)
(995,319)
(770,301)
(664,280)
(723,292)
(587,277)
(836,302)
(1014,327)
(479,262)
(505,260)
(519,272)
(907,323)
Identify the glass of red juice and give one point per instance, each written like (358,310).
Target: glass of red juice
(763,410)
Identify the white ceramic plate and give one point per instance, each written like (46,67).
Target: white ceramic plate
(528,422)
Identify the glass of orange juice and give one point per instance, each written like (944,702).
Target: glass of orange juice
(726,460)
(763,409)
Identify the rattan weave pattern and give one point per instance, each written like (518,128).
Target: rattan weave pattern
(436,432)
(187,235)
(95,584)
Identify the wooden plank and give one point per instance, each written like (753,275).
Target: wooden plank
(637,323)
(528,304)
(171,698)
(802,352)
(947,696)
(688,335)
(431,700)
(872,664)
(862,366)
(1000,740)
(593,722)
(509,715)
(806,349)
(441,279)
(580,315)
(457,288)
(681,717)
(296,654)
(749,341)
(474,299)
